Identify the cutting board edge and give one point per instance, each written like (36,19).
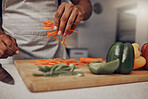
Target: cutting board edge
(92,86)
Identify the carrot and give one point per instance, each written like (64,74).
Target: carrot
(89,60)
(63,42)
(50,25)
(74,31)
(51,34)
(47,28)
(56,38)
(54,61)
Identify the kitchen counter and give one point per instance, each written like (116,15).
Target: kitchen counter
(20,91)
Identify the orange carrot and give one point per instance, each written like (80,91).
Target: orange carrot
(89,60)
(47,28)
(54,61)
(56,38)
(51,34)
(63,42)
(74,31)
(50,25)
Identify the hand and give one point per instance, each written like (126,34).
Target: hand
(8,46)
(67,18)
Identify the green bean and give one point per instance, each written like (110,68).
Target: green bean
(41,68)
(59,64)
(52,69)
(47,68)
(60,67)
(38,74)
(98,61)
(72,66)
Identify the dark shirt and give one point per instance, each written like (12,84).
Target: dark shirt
(0,11)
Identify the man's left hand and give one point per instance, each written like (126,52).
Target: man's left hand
(67,17)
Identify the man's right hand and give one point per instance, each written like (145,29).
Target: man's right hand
(8,46)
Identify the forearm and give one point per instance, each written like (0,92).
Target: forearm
(85,6)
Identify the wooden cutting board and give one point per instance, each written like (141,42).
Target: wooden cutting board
(38,84)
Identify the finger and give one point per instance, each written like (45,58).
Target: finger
(70,21)
(6,50)
(4,56)
(10,45)
(65,18)
(14,41)
(1,53)
(77,21)
(58,16)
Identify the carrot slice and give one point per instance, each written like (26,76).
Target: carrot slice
(74,31)
(89,60)
(62,42)
(50,25)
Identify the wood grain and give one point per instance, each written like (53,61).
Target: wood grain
(40,84)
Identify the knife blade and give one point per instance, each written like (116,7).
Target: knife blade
(5,76)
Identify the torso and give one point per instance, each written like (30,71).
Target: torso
(23,19)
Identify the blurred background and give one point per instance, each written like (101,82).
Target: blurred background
(111,21)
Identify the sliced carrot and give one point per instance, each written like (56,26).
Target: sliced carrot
(63,42)
(54,61)
(74,31)
(56,38)
(89,60)
(47,28)
(50,25)
(51,34)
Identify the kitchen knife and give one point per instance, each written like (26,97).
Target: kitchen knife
(5,76)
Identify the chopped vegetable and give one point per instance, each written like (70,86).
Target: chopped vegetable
(144,51)
(59,69)
(50,25)
(125,53)
(139,61)
(104,68)
(89,60)
(55,61)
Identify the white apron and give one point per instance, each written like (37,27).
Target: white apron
(23,19)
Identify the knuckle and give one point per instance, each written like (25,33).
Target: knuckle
(57,15)
(71,5)
(70,22)
(81,15)
(2,36)
(9,43)
(76,10)
(63,18)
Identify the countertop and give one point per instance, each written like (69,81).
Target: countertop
(20,91)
